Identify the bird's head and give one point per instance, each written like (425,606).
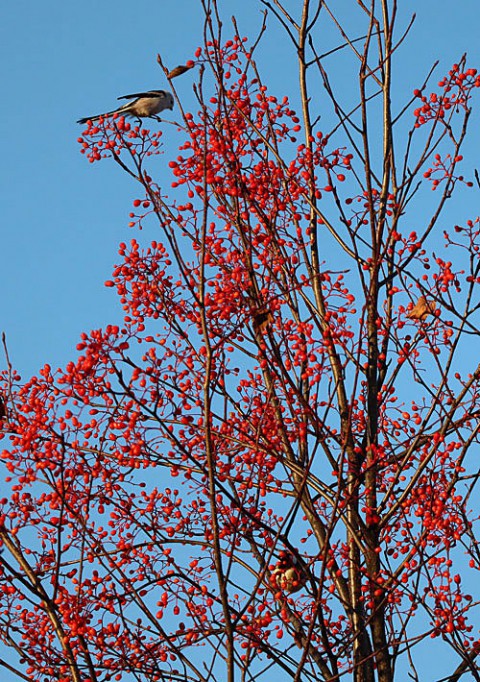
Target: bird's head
(169,101)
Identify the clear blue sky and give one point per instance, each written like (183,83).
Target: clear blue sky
(62,218)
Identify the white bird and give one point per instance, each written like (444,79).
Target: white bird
(144,104)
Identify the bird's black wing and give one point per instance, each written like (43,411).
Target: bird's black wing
(151,93)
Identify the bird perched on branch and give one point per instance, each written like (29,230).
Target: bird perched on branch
(288,574)
(144,104)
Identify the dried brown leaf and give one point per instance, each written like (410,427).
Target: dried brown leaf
(422,309)
(178,70)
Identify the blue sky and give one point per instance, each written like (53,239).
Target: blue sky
(62,218)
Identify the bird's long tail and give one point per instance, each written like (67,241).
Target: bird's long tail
(121,110)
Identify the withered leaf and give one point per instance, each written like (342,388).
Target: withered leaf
(178,70)
(422,309)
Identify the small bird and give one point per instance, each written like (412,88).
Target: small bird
(287,574)
(144,104)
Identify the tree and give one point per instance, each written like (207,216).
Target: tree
(270,466)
